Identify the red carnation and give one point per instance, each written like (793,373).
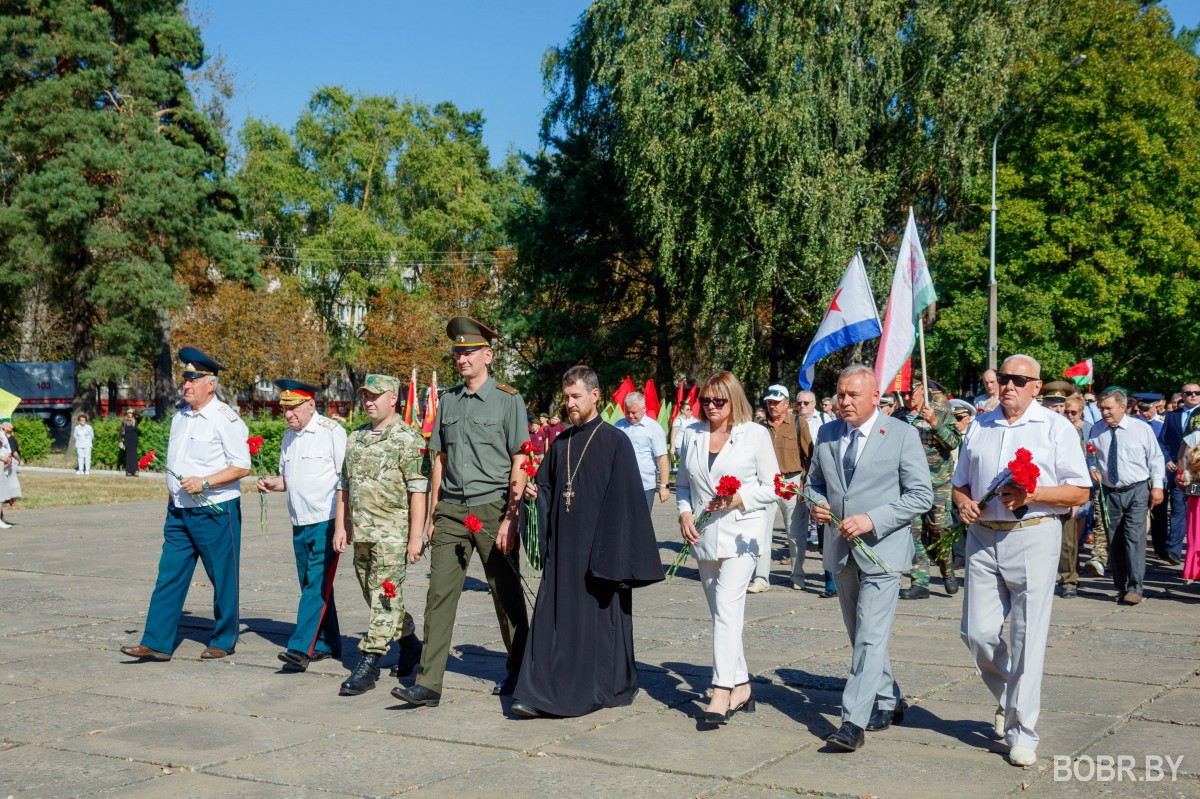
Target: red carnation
(530,468)
(527,448)
(728,485)
(1024,471)
(1091,448)
(389,589)
(146,460)
(785,489)
(255,443)
(473,524)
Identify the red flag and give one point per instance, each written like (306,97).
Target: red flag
(430,407)
(619,394)
(692,395)
(903,380)
(652,403)
(410,410)
(678,401)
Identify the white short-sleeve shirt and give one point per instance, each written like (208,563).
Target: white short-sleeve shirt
(310,461)
(204,442)
(991,442)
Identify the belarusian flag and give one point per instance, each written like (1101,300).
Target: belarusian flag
(1081,373)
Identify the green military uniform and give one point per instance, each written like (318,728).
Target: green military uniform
(477,433)
(940,441)
(381,470)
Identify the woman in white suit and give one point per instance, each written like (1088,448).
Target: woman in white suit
(724,441)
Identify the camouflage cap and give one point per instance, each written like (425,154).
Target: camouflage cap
(378,384)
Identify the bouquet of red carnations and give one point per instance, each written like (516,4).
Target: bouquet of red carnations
(788,490)
(255,444)
(474,526)
(529,535)
(727,486)
(1022,471)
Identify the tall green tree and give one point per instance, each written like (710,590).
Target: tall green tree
(1098,237)
(369,192)
(756,145)
(108,174)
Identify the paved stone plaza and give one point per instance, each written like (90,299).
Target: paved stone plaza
(80,719)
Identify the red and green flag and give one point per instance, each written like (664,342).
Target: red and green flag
(1080,373)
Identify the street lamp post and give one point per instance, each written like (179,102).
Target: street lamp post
(992,299)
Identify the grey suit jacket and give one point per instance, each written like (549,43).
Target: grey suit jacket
(891,485)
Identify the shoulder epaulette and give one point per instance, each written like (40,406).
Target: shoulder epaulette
(328,423)
(228,412)
(507,389)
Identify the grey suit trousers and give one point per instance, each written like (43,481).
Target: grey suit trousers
(868,604)
(1127,537)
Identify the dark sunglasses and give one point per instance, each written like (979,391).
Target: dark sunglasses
(716,402)
(1020,381)
(1191,393)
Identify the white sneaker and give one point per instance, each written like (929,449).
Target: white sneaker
(1022,756)
(1094,568)
(758,587)
(998,722)
(4,525)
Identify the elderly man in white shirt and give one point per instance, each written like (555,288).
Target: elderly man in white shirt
(1130,464)
(310,471)
(207,455)
(649,445)
(1013,545)
(83,435)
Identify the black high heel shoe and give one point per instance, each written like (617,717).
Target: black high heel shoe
(747,706)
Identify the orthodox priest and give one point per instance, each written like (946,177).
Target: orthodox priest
(599,544)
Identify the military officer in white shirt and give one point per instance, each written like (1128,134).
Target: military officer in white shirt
(310,471)
(1013,545)
(207,456)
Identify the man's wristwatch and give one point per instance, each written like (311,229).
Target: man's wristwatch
(204,486)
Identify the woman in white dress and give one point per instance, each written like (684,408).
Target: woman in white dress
(10,485)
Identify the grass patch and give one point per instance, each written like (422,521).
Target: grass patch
(42,490)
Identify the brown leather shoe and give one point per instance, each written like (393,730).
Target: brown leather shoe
(144,653)
(212,653)
(1131,598)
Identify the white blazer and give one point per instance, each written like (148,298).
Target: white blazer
(749,456)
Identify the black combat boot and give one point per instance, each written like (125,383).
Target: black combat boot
(363,678)
(410,656)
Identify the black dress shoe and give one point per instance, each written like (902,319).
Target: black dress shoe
(848,737)
(951,584)
(295,658)
(828,592)
(417,695)
(1174,561)
(526,711)
(914,592)
(506,686)
(364,676)
(1069,592)
(882,719)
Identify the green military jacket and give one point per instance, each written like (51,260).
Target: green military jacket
(479,433)
(940,441)
(380,472)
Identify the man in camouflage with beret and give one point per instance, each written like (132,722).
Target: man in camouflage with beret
(386,474)
(940,439)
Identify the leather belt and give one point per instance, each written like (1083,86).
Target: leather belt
(1007,526)
(1123,489)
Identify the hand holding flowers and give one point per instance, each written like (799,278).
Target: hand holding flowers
(726,498)
(1016,488)
(850,529)
(186,483)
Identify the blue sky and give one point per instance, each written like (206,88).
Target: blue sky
(483,55)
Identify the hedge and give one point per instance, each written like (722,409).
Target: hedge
(32,437)
(154,435)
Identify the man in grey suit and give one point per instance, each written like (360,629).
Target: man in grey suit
(870,471)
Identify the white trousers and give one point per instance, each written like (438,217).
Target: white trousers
(83,459)
(1011,574)
(725,582)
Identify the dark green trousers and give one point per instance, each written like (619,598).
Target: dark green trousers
(449,556)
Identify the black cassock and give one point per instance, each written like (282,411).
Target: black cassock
(579,657)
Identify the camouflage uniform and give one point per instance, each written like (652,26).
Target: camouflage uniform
(941,442)
(380,472)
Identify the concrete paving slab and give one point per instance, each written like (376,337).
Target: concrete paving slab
(1137,784)
(365,763)
(1064,658)
(197,739)
(1180,706)
(1086,695)
(34,771)
(206,786)
(61,716)
(1142,738)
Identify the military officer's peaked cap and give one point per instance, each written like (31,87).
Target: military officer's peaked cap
(469,335)
(1057,391)
(378,384)
(293,392)
(197,364)
(1147,399)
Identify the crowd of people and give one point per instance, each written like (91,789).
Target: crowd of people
(877,486)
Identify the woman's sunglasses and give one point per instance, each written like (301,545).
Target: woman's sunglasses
(716,402)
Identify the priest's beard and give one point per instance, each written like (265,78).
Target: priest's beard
(580,417)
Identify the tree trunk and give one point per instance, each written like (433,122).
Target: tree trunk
(664,375)
(83,345)
(164,371)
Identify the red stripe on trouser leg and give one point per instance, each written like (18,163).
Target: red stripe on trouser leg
(324,603)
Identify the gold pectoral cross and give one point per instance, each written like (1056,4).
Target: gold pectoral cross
(567,496)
